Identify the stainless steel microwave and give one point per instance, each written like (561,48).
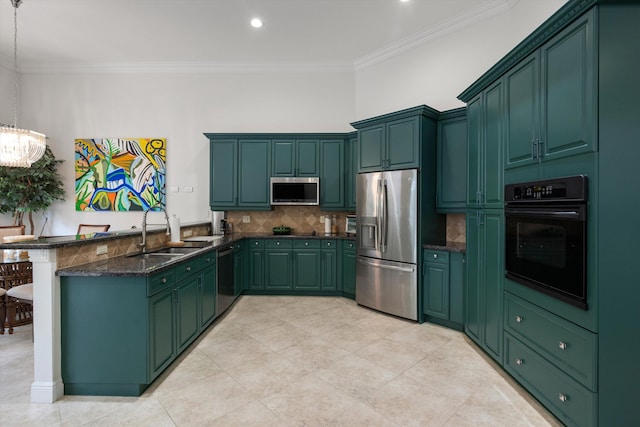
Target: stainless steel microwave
(295,191)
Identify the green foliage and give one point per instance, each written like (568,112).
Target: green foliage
(28,190)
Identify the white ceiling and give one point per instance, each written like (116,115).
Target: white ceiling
(64,34)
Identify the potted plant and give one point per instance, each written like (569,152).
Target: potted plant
(28,190)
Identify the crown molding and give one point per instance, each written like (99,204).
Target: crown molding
(180,67)
(462,20)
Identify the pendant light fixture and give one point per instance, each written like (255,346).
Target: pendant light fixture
(19,147)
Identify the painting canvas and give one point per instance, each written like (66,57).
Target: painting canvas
(120,174)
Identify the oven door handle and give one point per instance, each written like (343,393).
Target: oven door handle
(545,213)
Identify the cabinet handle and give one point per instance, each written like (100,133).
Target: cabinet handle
(562,345)
(164,280)
(534,149)
(519,319)
(563,397)
(257,243)
(540,144)
(208,259)
(306,243)
(278,243)
(188,268)
(435,256)
(329,244)
(519,362)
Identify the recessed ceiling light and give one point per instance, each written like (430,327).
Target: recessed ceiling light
(256,22)
(404,1)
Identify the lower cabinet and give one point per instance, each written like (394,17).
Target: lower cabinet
(255,273)
(484,282)
(306,265)
(120,333)
(442,287)
(239,267)
(349,268)
(329,262)
(278,264)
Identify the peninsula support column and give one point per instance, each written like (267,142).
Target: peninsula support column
(47,386)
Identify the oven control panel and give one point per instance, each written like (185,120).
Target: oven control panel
(573,188)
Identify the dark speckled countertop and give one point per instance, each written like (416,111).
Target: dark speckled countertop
(446,246)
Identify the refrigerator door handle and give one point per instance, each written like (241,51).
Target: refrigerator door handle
(386,267)
(384,221)
(379,217)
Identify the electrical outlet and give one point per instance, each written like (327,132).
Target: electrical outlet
(321,219)
(187,233)
(246,219)
(102,250)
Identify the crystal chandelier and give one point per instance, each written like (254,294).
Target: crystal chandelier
(19,147)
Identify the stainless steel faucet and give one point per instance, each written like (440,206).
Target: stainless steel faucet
(143,243)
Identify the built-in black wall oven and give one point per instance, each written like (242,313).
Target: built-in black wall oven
(546,237)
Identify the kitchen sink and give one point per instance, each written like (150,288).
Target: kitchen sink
(168,252)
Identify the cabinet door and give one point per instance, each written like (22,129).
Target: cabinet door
(306,269)
(329,266)
(223,190)
(307,163)
(371,148)
(451,179)
(278,269)
(402,145)
(474,150)
(254,174)
(238,268)
(436,290)
(522,106)
(332,175)
(256,269)
(187,319)
(493,278)
(492,171)
(349,269)
(569,91)
(283,158)
(208,291)
(162,346)
(351,172)
(473,271)
(457,264)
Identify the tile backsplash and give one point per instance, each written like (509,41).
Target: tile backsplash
(302,219)
(456,228)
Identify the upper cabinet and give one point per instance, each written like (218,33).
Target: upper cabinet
(239,173)
(485,177)
(451,193)
(392,141)
(551,98)
(295,157)
(351,168)
(332,182)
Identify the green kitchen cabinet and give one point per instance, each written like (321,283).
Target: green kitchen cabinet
(239,267)
(451,193)
(162,347)
(484,283)
(393,141)
(255,274)
(239,174)
(551,98)
(187,300)
(332,175)
(485,174)
(293,157)
(278,264)
(208,290)
(435,272)
(351,169)
(307,273)
(443,287)
(349,268)
(329,265)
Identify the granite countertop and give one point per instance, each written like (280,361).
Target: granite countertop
(446,246)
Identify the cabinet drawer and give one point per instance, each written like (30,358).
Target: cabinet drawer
(571,348)
(278,244)
(256,244)
(306,244)
(189,267)
(572,403)
(160,281)
(329,244)
(348,245)
(431,255)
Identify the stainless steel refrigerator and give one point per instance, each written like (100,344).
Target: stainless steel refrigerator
(387,249)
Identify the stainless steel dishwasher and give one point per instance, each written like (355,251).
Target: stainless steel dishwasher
(224,271)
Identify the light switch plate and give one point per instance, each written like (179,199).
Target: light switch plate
(246,219)
(187,233)
(102,249)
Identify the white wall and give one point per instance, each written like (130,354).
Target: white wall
(179,107)
(436,72)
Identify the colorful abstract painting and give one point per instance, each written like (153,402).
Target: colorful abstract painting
(120,174)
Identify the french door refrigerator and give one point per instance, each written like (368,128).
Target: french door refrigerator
(387,233)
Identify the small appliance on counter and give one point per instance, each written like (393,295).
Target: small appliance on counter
(350,225)
(218,223)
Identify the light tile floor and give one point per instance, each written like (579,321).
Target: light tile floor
(295,361)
